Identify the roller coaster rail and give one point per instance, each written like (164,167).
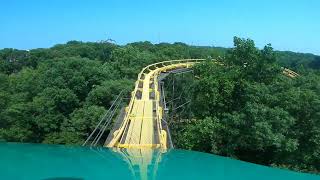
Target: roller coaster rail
(142,124)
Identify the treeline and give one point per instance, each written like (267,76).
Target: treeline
(57,95)
(298,61)
(245,109)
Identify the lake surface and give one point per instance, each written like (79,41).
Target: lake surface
(57,162)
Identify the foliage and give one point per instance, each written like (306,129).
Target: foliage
(245,108)
(240,106)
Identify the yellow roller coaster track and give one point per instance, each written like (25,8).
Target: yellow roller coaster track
(141,126)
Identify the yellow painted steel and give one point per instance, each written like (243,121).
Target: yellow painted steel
(289,73)
(141,126)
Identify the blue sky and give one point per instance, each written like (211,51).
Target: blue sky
(286,24)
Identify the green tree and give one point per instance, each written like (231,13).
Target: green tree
(83,120)
(104,94)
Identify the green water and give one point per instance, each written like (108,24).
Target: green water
(36,161)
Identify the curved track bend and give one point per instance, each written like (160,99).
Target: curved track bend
(141,126)
(142,123)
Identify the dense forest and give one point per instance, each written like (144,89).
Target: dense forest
(245,109)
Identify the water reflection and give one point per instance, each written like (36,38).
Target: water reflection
(63,178)
(143,163)
(36,161)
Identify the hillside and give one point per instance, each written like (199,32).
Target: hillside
(245,109)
